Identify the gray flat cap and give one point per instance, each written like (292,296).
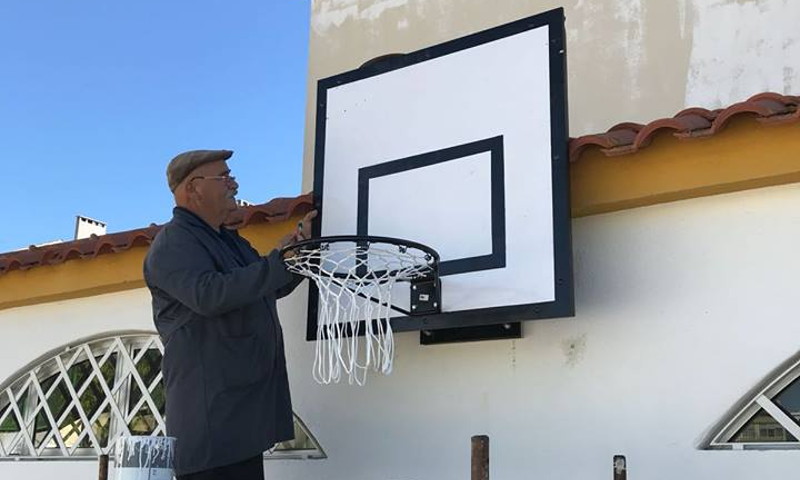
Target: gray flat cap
(182,165)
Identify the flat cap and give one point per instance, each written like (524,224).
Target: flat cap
(182,165)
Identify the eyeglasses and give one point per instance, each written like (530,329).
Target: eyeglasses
(226,178)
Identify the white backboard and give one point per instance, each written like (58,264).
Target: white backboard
(461,147)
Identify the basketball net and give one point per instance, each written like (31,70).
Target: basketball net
(355,280)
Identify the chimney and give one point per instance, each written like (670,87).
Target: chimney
(86,227)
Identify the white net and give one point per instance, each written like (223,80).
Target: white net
(355,280)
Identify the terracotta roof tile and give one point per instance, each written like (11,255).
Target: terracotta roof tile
(276,210)
(767,108)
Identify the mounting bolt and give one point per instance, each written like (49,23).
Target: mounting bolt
(413,287)
(435,304)
(413,307)
(507,326)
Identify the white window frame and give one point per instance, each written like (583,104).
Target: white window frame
(760,397)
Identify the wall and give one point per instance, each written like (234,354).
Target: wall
(628,60)
(682,308)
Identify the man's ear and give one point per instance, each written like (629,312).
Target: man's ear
(183,192)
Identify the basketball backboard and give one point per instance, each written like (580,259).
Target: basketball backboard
(462,147)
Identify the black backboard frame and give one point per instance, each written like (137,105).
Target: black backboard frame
(563,305)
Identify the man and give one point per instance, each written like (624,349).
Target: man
(227,390)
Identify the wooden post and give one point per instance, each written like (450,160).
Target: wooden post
(620,468)
(480,457)
(103,470)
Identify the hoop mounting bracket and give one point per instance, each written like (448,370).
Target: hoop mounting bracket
(426,296)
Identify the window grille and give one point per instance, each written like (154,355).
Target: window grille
(74,402)
(768,418)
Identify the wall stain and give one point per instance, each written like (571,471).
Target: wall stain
(574,349)
(740,48)
(334,13)
(513,356)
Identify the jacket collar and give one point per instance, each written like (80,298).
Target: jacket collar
(184,215)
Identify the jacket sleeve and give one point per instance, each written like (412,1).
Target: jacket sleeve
(182,267)
(293,281)
(290,280)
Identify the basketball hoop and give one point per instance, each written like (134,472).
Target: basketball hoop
(355,276)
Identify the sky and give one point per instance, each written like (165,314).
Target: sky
(96,97)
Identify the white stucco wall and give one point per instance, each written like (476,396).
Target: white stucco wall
(740,48)
(681,309)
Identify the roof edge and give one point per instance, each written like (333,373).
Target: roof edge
(274,211)
(769,108)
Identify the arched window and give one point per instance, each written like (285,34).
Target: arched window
(767,417)
(74,402)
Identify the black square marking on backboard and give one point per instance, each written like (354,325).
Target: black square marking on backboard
(494,145)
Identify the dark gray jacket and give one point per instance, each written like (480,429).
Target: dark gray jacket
(227,391)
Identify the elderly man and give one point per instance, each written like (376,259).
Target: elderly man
(227,391)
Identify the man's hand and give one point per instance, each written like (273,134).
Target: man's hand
(304,226)
(302,232)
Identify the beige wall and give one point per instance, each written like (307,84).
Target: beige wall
(628,60)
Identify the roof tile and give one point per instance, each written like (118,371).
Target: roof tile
(768,108)
(276,210)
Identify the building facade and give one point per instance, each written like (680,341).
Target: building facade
(683,354)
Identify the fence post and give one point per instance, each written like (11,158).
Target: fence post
(620,468)
(103,468)
(480,457)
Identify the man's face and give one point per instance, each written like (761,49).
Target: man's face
(214,187)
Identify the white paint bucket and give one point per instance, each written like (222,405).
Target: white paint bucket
(144,458)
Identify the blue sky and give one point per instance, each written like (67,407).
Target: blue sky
(96,97)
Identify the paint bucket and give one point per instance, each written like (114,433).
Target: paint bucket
(144,458)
